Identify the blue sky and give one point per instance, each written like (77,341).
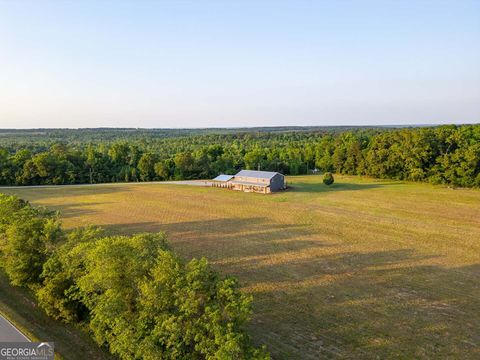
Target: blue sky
(238,63)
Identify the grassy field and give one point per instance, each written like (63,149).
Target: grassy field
(362,269)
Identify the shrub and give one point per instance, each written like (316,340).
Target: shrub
(328,178)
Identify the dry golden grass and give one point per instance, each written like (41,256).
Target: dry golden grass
(362,269)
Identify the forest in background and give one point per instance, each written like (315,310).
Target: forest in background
(439,155)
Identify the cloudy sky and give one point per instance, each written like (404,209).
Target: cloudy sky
(238,63)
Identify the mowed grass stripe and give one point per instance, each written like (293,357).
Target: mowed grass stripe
(363,269)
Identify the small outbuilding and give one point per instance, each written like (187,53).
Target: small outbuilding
(252,181)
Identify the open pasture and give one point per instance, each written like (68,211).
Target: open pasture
(362,269)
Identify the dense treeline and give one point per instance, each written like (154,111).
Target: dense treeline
(440,155)
(133,293)
(79,136)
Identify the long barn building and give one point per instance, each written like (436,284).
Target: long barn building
(263,182)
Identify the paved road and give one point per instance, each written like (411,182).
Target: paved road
(180,182)
(8,332)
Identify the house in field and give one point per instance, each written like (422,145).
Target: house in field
(263,182)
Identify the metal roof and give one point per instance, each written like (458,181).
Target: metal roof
(223,177)
(257,174)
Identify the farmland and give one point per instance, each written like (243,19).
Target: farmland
(362,269)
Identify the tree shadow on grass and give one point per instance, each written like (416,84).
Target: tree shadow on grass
(37,194)
(72,210)
(368,305)
(222,240)
(321,187)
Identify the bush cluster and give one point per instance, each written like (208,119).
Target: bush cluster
(328,178)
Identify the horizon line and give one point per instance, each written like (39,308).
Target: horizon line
(245,127)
